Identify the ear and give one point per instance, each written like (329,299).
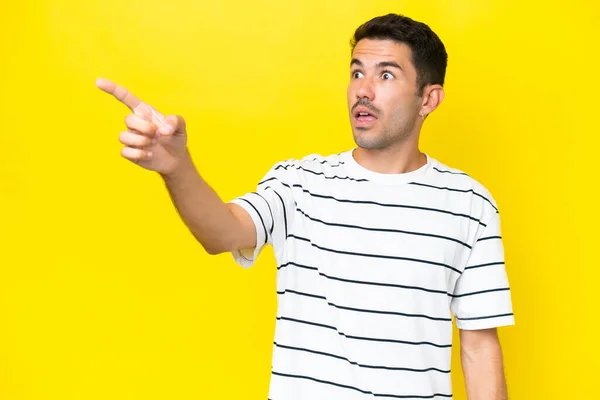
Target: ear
(432,97)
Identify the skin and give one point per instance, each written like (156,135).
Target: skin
(159,143)
(482,364)
(382,79)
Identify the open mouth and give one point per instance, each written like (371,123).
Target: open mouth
(363,115)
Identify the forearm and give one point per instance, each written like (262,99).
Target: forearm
(205,214)
(483,370)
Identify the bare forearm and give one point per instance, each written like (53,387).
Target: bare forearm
(205,214)
(484,371)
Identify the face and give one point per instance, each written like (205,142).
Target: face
(383,99)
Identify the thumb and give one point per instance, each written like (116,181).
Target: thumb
(172,125)
(148,113)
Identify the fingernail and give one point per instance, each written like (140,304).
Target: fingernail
(149,154)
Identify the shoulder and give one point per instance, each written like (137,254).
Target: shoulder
(454,179)
(313,162)
(295,170)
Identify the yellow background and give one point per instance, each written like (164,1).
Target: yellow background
(105,295)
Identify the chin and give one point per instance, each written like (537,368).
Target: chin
(368,139)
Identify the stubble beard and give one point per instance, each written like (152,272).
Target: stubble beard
(386,137)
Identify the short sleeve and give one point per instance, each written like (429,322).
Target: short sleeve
(482,298)
(270,208)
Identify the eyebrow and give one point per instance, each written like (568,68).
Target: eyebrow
(382,64)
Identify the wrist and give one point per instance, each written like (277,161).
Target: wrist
(181,167)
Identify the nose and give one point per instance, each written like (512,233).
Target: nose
(365,89)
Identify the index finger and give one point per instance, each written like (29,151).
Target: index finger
(119,93)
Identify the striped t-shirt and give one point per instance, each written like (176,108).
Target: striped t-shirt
(371,270)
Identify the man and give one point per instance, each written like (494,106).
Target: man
(377,247)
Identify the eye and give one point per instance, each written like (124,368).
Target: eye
(387,75)
(356,74)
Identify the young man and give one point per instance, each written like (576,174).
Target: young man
(377,247)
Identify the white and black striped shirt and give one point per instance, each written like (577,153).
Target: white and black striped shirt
(371,270)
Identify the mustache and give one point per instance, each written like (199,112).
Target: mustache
(366,103)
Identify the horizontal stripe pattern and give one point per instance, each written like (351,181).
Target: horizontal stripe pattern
(362,310)
(324,298)
(489,238)
(485,317)
(367,255)
(366,325)
(325,354)
(446,171)
(481,292)
(363,391)
(360,282)
(498,263)
(387,230)
(370,274)
(365,338)
(382,204)
(349,387)
(457,190)
(298,167)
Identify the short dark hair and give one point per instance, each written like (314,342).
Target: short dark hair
(429,55)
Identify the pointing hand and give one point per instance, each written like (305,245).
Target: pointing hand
(152,141)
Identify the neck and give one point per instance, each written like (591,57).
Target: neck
(391,160)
